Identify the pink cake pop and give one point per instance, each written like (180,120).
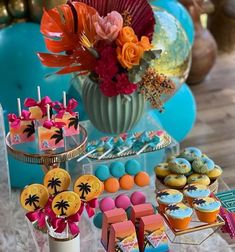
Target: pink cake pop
(107,204)
(138,198)
(122,201)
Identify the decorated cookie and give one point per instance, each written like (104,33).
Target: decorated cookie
(162,170)
(175,180)
(179,166)
(203,165)
(111,185)
(34,197)
(207,209)
(57,180)
(88,187)
(142,179)
(215,173)
(132,167)
(66,204)
(190,153)
(102,172)
(117,169)
(199,179)
(179,215)
(193,191)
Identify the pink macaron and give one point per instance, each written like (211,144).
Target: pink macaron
(107,204)
(138,198)
(122,201)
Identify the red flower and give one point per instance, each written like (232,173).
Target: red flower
(107,66)
(108,88)
(124,86)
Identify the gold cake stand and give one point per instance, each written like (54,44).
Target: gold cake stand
(74,146)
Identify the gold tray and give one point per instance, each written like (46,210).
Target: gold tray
(165,141)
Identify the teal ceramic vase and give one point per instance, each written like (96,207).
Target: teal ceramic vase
(112,115)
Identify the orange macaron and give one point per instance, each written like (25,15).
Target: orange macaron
(142,179)
(126,182)
(111,185)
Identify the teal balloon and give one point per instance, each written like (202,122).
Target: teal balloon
(179,114)
(21,72)
(179,12)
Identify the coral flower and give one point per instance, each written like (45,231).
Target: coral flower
(107,28)
(127,34)
(145,44)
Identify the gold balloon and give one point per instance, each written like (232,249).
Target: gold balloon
(36,7)
(4,15)
(18,8)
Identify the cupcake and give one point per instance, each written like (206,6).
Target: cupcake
(167,197)
(162,170)
(190,154)
(207,209)
(199,179)
(193,191)
(179,166)
(215,173)
(175,181)
(203,165)
(179,215)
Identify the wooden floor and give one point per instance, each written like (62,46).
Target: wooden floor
(214,132)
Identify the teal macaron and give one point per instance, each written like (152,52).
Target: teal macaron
(132,167)
(102,172)
(117,169)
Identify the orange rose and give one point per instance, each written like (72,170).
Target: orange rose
(126,34)
(129,55)
(144,42)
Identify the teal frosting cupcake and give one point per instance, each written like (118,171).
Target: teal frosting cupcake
(203,165)
(179,211)
(190,154)
(179,166)
(206,204)
(196,191)
(169,196)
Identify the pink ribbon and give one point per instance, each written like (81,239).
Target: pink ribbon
(49,124)
(15,120)
(61,110)
(29,102)
(90,206)
(59,224)
(229,219)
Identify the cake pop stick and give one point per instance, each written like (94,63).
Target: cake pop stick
(48,112)
(64,99)
(19,107)
(39,93)
(108,146)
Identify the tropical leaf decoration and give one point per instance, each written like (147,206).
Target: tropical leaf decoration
(199,201)
(58,136)
(191,188)
(30,129)
(139,13)
(84,188)
(32,200)
(63,28)
(62,205)
(53,184)
(74,122)
(172,208)
(160,194)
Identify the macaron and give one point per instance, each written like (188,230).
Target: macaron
(128,212)
(215,173)
(102,172)
(190,153)
(126,182)
(138,198)
(117,169)
(107,204)
(111,185)
(203,165)
(98,219)
(179,166)
(132,167)
(142,179)
(123,201)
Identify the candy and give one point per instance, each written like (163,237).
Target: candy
(132,167)
(138,198)
(117,169)
(108,146)
(111,185)
(98,219)
(142,179)
(102,172)
(126,182)
(107,204)
(122,201)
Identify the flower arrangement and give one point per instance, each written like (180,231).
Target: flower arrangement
(111,40)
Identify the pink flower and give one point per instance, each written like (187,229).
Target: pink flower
(123,85)
(108,88)
(107,28)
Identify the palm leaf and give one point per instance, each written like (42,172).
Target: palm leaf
(58,140)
